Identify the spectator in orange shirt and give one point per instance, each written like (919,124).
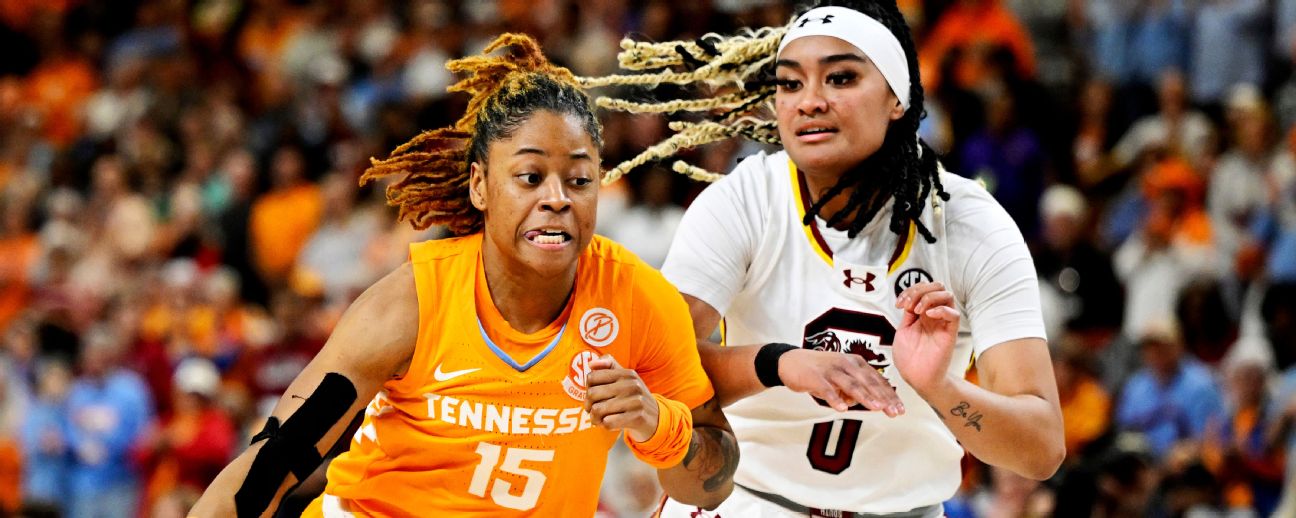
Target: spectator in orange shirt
(178,318)
(19,250)
(1172,245)
(1238,450)
(969,31)
(284,218)
(13,409)
(1086,406)
(1175,194)
(268,32)
(58,87)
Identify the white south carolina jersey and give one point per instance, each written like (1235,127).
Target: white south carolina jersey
(742,248)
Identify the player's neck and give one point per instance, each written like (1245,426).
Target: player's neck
(527,300)
(818,184)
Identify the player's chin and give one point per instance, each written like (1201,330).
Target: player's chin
(551,260)
(828,156)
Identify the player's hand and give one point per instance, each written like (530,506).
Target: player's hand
(924,343)
(618,400)
(842,380)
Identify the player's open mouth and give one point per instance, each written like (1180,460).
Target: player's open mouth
(548,236)
(815,133)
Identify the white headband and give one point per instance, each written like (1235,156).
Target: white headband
(866,34)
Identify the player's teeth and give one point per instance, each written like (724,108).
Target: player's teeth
(548,239)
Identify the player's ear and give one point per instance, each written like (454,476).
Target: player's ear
(898,110)
(477,185)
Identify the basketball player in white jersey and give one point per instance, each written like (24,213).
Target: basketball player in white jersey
(851,261)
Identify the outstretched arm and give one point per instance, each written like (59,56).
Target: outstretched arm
(840,379)
(372,343)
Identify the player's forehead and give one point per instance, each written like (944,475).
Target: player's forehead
(546,134)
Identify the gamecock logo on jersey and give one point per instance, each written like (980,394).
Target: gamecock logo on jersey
(599,327)
(824,341)
(868,335)
(828,341)
(574,384)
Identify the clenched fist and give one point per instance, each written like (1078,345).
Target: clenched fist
(618,400)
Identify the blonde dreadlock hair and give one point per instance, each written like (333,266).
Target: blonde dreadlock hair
(740,70)
(743,63)
(505,91)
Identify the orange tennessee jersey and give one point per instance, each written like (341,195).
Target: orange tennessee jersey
(489,420)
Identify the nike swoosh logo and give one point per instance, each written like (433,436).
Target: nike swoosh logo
(447,376)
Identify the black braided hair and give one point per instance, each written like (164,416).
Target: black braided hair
(897,167)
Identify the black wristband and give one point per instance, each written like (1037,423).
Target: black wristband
(767,363)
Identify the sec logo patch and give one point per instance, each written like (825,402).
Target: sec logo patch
(599,327)
(910,277)
(574,384)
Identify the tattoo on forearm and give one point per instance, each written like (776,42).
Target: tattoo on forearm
(716,453)
(712,455)
(970,415)
(693,449)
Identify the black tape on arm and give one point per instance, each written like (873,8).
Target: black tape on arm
(291,448)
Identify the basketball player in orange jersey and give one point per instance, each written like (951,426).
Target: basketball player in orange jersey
(495,369)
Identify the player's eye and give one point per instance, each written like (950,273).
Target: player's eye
(841,78)
(530,178)
(788,85)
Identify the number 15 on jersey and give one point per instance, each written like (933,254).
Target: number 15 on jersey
(501,491)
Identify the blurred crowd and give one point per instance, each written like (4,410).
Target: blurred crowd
(181,226)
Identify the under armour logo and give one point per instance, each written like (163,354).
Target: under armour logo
(867,280)
(826,19)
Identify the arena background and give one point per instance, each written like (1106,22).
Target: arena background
(181,224)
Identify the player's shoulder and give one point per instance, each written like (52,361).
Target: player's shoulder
(760,167)
(971,208)
(447,248)
(764,169)
(963,190)
(610,261)
(608,254)
(754,176)
(441,268)
(611,266)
